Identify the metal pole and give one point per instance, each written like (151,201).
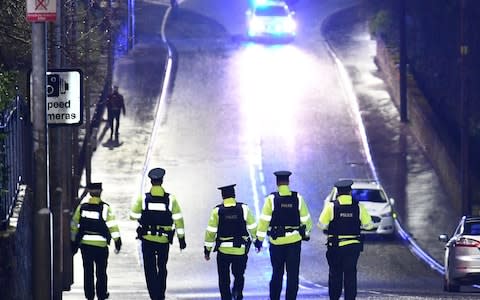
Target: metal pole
(59,175)
(42,266)
(403,63)
(88,150)
(58,243)
(131,24)
(69,192)
(110,45)
(464,111)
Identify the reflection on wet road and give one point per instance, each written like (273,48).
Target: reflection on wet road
(238,113)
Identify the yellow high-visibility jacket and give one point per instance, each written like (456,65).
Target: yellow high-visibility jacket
(212,228)
(94,238)
(174,207)
(266,217)
(327,216)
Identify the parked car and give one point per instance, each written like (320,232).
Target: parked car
(374,198)
(462,255)
(271,20)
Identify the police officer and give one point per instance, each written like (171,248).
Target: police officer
(92,227)
(230,230)
(286,219)
(342,220)
(159,216)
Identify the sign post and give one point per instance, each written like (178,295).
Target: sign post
(39,12)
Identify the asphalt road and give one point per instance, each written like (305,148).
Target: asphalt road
(236,113)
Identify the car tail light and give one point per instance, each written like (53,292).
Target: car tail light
(466,242)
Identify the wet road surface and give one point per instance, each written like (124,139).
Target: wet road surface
(239,112)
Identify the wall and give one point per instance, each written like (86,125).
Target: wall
(443,152)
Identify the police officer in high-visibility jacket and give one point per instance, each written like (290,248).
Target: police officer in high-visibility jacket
(159,216)
(230,231)
(93,225)
(286,219)
(342,220)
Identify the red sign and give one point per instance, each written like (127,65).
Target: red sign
(41,10)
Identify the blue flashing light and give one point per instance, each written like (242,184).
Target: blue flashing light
(260,2)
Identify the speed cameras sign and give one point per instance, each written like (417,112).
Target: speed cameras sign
(64,97)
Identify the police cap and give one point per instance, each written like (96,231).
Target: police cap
(156,173)
(228,190)
(282,175)
(94,186)
(344,186)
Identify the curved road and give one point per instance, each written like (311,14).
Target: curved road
(239,111)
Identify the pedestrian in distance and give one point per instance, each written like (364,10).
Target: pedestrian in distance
(159,217)
(342,221)
(115,105)
(286,220)
(93,226)
(230,231)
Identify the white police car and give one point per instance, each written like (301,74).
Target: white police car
(271,20)
(374,198)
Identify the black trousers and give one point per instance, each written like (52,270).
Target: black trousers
(94,258)
(238,264)
(155,257)
(114,115)
(342,262)
(285,257)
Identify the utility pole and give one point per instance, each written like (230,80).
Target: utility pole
(403,62)
(42,265)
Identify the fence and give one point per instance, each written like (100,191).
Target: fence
(15,138)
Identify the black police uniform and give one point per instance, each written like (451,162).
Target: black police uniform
(285,215)
(231,227)
(93,255)
(342,260)
(155,255)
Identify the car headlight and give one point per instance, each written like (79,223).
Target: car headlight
(255,25)
(290,25)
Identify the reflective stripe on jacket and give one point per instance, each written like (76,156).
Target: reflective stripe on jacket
(327,216)
(226,242)
(173,207)
(91,213)
(266,217)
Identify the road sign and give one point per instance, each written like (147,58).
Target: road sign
(41,10)
(64,97)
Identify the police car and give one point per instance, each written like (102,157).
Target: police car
(271,20)
(374,198)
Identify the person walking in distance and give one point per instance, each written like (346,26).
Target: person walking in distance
(159,217)
(286,220)
(230,230)
(342,220)
(115,105)
(93,225)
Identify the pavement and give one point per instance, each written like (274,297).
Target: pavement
(421,217)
